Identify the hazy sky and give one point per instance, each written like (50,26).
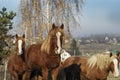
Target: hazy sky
(10,4)
(99,16)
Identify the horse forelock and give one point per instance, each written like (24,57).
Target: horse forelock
(100,61)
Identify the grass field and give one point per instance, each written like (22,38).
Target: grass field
(96,48)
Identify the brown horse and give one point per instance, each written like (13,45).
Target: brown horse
(16,65)
(45,56)
(98,66)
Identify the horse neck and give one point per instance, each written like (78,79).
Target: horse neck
(52,50)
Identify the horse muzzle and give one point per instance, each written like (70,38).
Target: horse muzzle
(116,74)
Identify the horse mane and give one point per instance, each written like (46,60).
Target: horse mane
(46,44)
(101,61)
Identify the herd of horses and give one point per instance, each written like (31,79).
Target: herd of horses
(49,61)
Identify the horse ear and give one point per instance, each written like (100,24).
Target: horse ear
(53,26)
(110,54)
(16,35)
(23,36)
(62,26)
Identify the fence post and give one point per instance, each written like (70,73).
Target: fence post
(5,71)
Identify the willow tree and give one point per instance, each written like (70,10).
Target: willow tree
(38,15)
(66,11)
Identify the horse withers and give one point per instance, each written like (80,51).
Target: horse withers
(16,65)
(45,56)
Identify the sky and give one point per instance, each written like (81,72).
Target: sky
(99,16)
(10,4)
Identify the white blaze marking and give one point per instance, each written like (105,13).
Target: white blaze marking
(116,73)
(58,34)
(19,47)
(64,55)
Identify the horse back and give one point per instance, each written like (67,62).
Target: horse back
(75,60)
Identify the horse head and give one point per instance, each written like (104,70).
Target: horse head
(53,43)
(114,65)
(20,44)
(104,63)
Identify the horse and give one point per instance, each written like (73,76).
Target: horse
(68,71)
(16,65)
(98,66)
(45,56)
(95,67)
(63,56)
(71,72)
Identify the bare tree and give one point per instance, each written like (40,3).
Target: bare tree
(37,16)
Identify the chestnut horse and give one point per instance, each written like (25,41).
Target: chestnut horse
(96,67)
(16,65)
(45,56)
